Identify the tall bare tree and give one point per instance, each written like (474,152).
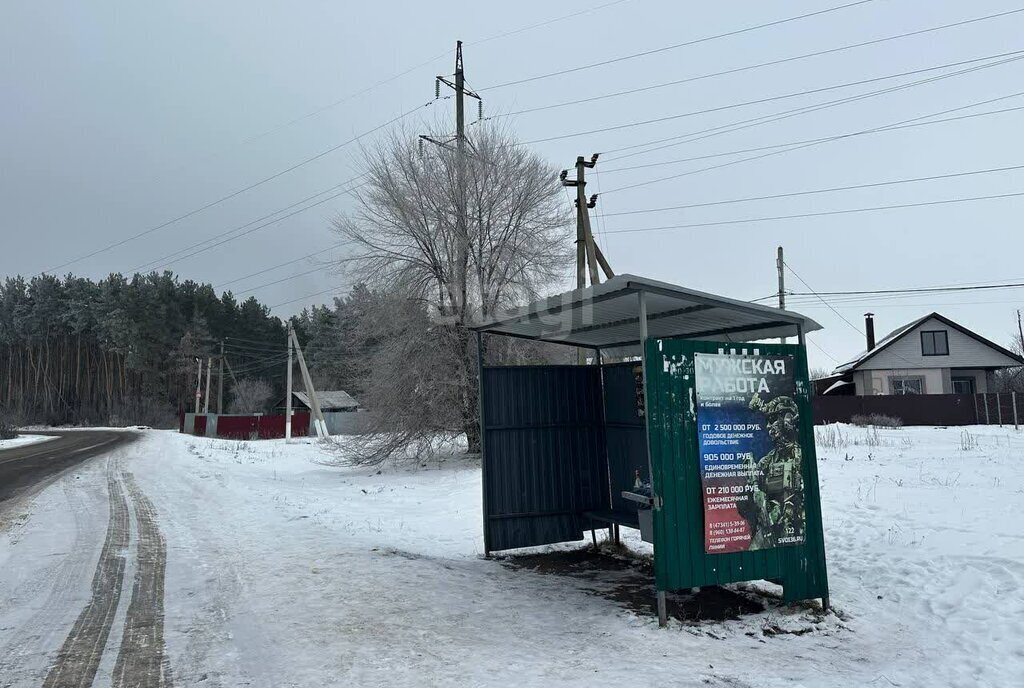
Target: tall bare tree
(406,239)
(251,395)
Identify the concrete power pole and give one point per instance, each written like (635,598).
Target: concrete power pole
(288,402)
(209,370)
(316,415)
(220,381)
(780,264)
(461,219)
(462,222)
(588,254)
(199,383)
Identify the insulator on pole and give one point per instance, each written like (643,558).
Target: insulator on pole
(421,147)
(437,89)
(479,110)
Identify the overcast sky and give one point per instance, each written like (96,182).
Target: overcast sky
(118,117)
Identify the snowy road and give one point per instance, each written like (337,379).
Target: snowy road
(51,569)
(276,570)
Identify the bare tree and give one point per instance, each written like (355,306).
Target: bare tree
(408,242)
(250,396)
(818,373)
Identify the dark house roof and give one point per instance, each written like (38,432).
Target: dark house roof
(899,333)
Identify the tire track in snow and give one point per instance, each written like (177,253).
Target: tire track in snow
(79,656)
(57,587)
(142,659)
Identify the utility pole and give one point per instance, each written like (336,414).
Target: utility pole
(781,265)
(316,415)
(588,254)
(209,369)
(199,382)
(288,403)
(461,219)
(220,381)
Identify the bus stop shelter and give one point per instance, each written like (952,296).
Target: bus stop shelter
(616,443)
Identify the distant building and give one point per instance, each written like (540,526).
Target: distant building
(931,355)
(330,402)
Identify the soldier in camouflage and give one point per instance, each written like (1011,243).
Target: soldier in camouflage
(776,508)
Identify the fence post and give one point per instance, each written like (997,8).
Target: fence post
(977,418)
(1013,395)
(987,418)
(999,408)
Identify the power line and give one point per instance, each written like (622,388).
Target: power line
(823,300)
(307,296)
(259,227)
(675,46)
(784,114)
(945,201)
(831,308)
(241,370)
(419,65)
(874,306)
(571,15)
(179,252)
(319,268)
(763,119)
(835,138)
(233,194)
(330,106)
(792,194)
(281,265)
(851,300)
(818,347)
(817,140)
(917,290)
(677,82)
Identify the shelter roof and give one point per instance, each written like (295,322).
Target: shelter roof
(607,316)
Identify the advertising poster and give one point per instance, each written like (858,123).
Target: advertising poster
(748,436)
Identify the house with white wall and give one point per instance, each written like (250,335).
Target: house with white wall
(931,355)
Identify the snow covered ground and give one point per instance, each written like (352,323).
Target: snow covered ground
(285,571)
(23,440)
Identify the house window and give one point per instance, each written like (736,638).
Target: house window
(934,343)
(906,385)
(963,385)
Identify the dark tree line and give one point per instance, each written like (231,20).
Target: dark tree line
(121,350)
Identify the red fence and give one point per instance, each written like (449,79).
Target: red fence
(250,427)
(924,409)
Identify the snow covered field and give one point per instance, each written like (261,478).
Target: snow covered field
(23,440)
(285,571)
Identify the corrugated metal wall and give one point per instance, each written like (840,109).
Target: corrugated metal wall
(243,427)
(544,453)
(625,432)
(680,560)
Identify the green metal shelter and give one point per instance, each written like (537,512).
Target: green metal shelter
(625,441)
